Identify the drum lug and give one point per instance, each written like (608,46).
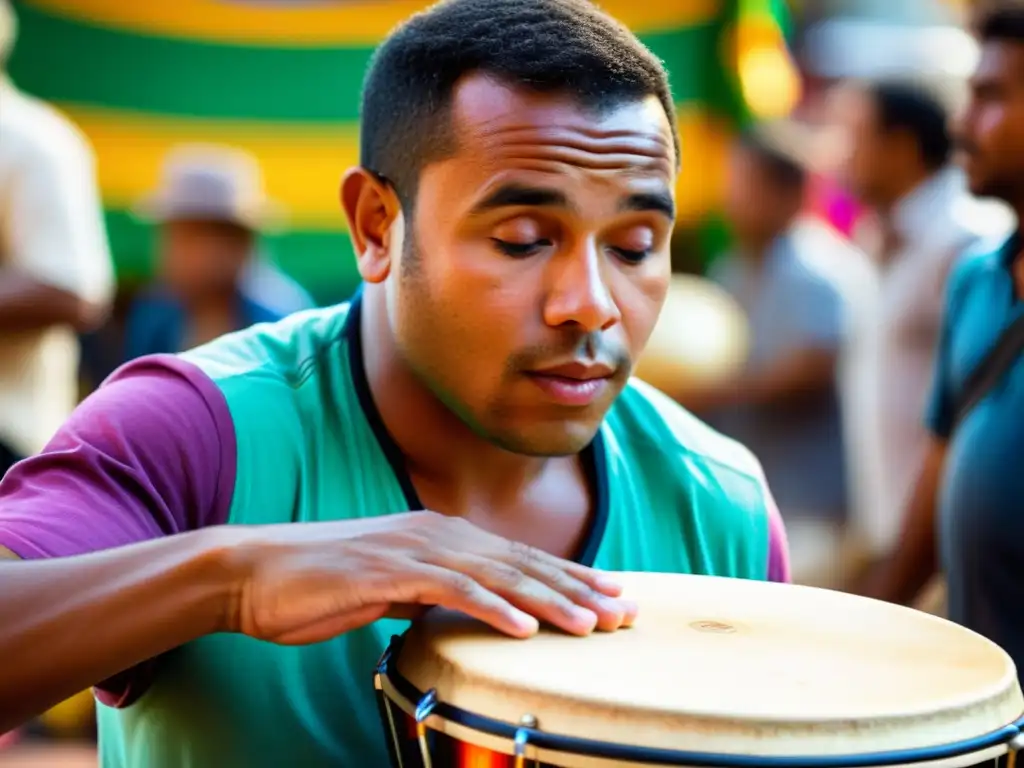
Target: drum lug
(385,658)
(1016,745)
(424,707)
(527,723)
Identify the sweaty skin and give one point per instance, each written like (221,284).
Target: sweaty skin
(541,265)
(571,193)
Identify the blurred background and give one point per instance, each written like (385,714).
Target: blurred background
(814,175)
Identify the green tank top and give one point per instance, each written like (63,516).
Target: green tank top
(673,496)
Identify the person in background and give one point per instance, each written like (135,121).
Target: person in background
(969,490)
(897,161)
(56,275)
(790,275)
(210,211)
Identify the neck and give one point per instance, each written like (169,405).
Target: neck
(440,451)
(212,305)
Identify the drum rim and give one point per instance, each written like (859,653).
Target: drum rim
(427,705)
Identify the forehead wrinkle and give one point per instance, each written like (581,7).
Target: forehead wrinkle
(596,141)
(548,153)
(553,161)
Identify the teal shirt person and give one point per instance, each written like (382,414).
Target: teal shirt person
(254,506)
(980,519)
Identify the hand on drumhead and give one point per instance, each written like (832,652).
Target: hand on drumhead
(305,583)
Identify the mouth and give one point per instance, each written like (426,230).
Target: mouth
(574,384)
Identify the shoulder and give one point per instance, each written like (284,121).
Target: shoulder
(975,268)
(35,132)
(669,459)
(652,428)
(283,353)
(279,381)
(149,453)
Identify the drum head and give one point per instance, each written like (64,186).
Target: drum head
(731,667)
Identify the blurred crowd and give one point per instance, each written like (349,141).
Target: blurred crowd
(845,217)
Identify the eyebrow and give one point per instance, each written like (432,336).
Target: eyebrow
(518,195)
(659,202)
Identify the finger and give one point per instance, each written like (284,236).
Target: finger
(522,590)
(612,612)
(604,582)
(428,584)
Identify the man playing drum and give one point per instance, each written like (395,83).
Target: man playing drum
(225,541)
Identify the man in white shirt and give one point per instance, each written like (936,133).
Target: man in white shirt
(56,275)
(899,149)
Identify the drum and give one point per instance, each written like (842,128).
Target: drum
(715,672)
(701,338)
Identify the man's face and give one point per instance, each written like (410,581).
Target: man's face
(991,129)
(865,150)
(536,263)
(200,257)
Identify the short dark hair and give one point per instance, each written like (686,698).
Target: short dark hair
(913,108)
(558,46)
(1003,22)
(781,146)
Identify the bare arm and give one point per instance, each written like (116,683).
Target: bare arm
(67,623)
(803,373)
(26,304)
(908,570)
(806,372)
(119,523)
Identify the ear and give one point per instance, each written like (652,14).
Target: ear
(371,207)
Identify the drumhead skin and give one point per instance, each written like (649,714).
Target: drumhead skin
(731,667)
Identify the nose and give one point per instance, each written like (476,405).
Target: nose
(578,292)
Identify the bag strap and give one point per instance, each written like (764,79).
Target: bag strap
(997,362)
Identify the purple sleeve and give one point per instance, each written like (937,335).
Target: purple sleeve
(150,453)
(778,545)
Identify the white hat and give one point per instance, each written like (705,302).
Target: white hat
(215,183)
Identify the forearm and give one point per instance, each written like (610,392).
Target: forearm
(803,373)
(27,305)
(69,623)
(808,372)
(915,560)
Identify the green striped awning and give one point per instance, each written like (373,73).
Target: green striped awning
(282,80)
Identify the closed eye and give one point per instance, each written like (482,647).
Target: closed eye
(631,257)
(520,250)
